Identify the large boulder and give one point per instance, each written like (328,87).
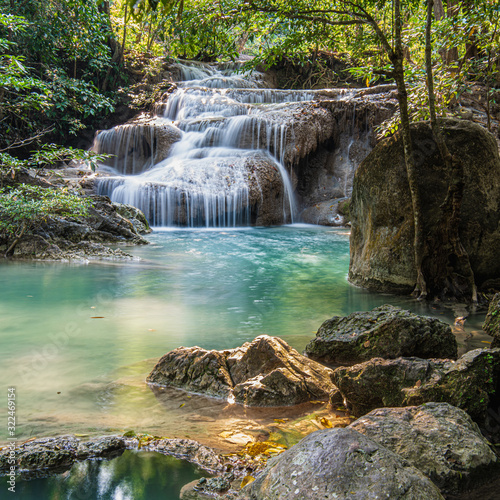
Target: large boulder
(382,249)
(341,464)
(264,372)
(491,323)
(469,383)
(440,440)
(386,331)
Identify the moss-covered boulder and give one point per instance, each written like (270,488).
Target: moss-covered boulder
(386,331)
(438,439)
(469,383)
(382,250)
(341,464)
(491,323)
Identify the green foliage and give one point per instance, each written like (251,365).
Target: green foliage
(22,208)
(47,156)
(54,56)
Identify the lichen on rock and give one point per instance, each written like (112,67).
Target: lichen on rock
(469,383)
(440,440)
(341,464)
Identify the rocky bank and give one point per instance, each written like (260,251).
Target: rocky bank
(83,238)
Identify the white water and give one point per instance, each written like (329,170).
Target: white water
(230,129)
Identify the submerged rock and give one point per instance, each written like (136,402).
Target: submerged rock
(440,440)
(264,372)
(491,323)
(469,383)
(382,249)
(341,464)
(386,331)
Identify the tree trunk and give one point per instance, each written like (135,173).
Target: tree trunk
(124,33)
(10,250)
(448,55)
(397,59)
(452,9)
(448,267)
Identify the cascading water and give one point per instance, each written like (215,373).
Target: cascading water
(212,156)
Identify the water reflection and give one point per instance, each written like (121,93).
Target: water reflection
(132,476)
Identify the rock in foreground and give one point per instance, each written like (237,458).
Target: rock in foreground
(438,439)
(386,331)
(340,464)
(59,453)
(467,383)
(264,372)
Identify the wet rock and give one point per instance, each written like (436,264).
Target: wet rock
(325,169)
(468,383)
(135,216)
(382,250)
(59,453)
(267,196)
(491,323)
(326,213)
(106,446)
(386,331)
(440,440)
(194,369)
(189,450)
(341,464)
(105,219)
(213,487)
(264,372)
(239,190)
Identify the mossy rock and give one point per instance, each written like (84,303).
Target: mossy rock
(491,324)
(382,235)
(386,331)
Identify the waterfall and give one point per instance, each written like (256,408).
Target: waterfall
(212,156)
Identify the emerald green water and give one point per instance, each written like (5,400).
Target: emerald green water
(131,476)
(78,340)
